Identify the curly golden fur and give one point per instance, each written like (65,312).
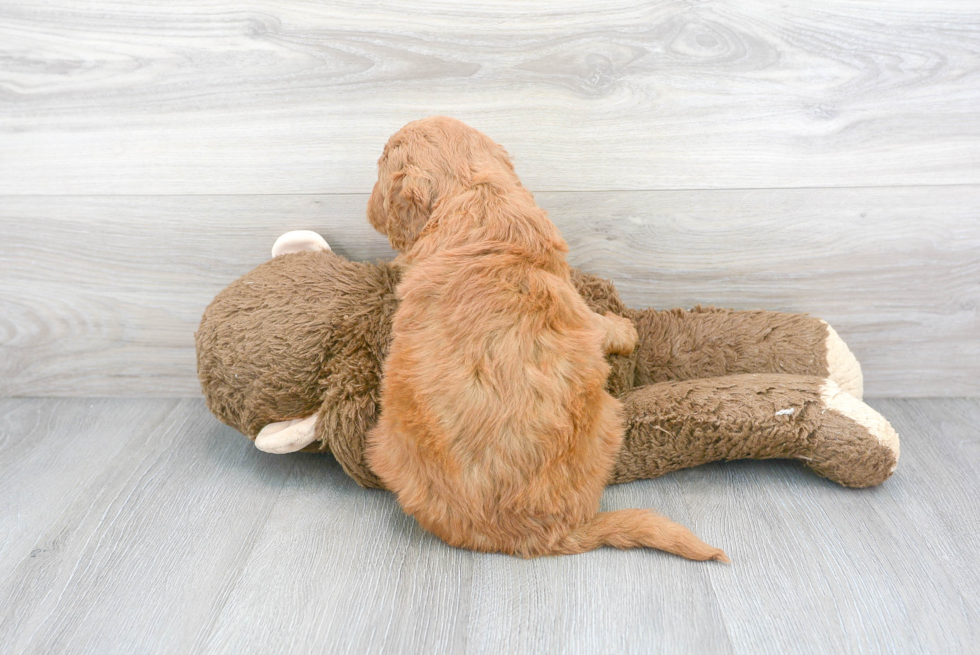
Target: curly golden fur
(496,432)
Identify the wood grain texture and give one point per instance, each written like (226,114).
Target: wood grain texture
(404,594)
(943,443)
(270,96)
(42,471)
(144,546)
(807,535)
(170,533)
(102,295)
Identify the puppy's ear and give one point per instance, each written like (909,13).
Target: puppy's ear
(402,199)
(409,205)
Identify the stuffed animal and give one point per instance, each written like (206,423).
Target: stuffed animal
(292,355)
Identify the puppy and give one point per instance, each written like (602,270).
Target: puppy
(496,432)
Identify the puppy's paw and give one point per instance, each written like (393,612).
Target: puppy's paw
(621,336)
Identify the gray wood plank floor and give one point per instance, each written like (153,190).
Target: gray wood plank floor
(143,525)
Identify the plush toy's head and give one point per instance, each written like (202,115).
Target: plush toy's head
(424,161)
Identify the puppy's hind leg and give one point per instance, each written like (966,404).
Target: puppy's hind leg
(619,334)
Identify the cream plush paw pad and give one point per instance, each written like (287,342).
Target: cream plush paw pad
(298,241)
(287,436)
(842,366)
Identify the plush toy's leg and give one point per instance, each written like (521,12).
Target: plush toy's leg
(709,342)
(676,425)
(287,436)
(298,241)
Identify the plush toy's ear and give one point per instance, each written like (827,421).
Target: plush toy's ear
(287,436)
(298,241)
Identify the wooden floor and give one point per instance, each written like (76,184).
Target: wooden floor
(142,525)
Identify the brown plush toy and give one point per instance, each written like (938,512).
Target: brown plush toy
(292,353)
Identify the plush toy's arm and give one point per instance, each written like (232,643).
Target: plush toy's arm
(350,409)
(706,342)
(676,425)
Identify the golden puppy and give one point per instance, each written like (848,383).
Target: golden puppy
(496,432)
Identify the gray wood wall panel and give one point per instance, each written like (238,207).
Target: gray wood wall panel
(284,97)
(101,295)
(143,526)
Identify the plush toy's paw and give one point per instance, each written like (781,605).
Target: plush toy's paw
(287,436)
(298,241)
(842,366)
(854,445)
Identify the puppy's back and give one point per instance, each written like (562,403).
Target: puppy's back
(498,427)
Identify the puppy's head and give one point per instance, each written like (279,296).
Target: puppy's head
(423,162)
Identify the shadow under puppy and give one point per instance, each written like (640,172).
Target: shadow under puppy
(496,431)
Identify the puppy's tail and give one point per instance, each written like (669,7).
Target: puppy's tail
(636,528)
